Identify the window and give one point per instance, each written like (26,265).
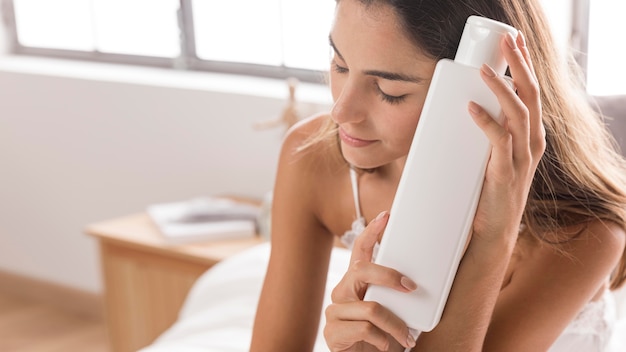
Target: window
(274,38)
(560,18)
(606,72)
(108,26)
(590,30)
(290,33)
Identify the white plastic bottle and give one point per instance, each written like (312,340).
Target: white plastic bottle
(434,206)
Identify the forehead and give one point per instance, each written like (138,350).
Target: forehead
(374,32)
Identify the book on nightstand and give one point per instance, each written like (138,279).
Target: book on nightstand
(203,219)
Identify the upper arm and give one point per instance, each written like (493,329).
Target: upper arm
(292,295)
(548,288)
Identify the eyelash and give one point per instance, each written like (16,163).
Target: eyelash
(391,99)
(339,69)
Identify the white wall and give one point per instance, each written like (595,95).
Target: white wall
(81,143)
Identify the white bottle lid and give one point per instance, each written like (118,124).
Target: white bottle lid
(480,43)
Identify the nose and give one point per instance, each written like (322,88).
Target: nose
(350,102)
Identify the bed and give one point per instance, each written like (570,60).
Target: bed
(219,311)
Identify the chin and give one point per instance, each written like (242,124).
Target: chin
(370,159)
(360,160)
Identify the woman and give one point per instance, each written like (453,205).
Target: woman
(548,237)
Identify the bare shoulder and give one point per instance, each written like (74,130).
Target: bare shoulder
(307,176)
(596,243)
(317,157)
(551,283)
(600,247)
(300,132)
(588,252)
(607,237)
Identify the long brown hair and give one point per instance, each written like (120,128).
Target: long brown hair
(582,176)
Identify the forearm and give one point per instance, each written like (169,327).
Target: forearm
(289,308)
(278,329)
(472,299)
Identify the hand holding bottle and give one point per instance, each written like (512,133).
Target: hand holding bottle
(355,325)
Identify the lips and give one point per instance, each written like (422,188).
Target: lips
(353,141)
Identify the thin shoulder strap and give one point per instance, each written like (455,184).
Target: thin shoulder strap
(355,191)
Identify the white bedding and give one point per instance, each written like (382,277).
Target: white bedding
(219,312)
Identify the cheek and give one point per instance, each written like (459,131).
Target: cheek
(401,126)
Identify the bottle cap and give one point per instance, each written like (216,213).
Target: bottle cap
(480,43)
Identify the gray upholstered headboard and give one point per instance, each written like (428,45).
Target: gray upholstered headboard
(614,107)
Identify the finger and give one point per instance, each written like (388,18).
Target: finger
(522,71)
(514,110)
(343,335)
(361,274)
(537,129)
(499,137)
(365,242)
(380,317)
(521,44)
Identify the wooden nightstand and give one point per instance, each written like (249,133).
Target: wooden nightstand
(146,279)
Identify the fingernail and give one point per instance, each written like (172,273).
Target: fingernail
(474,108)
(487,70)
(408,283)
(510,40)
(380,216)
(410,340)
(522,39)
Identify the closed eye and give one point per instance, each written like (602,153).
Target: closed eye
(391,99)
(339,69)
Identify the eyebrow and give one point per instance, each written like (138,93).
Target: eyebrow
(391,76)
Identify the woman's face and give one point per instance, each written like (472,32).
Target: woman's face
(379,80)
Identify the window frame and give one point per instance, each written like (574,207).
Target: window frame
(579,36)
